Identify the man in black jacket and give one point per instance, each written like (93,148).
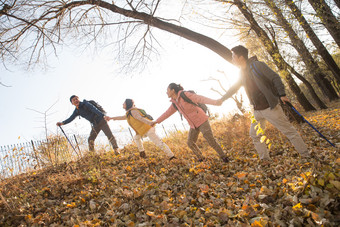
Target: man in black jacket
(95,117)
(264,88)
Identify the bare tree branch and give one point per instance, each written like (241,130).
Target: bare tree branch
(2,84)
(48,23)
(45,116)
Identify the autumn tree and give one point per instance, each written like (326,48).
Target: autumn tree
(260,51)
(47,23)
(324,12)
(337,2)
(274,52)
(321,49)
(304,53)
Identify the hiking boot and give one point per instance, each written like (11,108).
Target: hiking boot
(225,159)
(201,159)
(117,151)
(142,154)
(173,157)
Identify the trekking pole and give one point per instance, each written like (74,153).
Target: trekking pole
(289,104)
(68,139)
(75,139)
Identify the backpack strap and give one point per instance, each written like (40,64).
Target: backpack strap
(200,105)
(185,97)
(174,105)
(143,113)
(128,113)
(259,75)
(263,78)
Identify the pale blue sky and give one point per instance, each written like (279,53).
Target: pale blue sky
(96,76)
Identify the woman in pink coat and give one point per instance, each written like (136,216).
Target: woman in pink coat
(195,116)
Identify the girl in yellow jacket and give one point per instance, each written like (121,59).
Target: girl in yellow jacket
(143,127)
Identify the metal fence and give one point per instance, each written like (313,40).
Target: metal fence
(31,155)
(23,157)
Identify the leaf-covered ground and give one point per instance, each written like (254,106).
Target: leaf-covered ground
(124,190)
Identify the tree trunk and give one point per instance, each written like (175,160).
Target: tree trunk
(276,56)
(320,103)
(323,52)
(188,34)
(324,12)
(313,68)
(337,3)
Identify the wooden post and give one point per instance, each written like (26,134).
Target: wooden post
(75,138)
(2,166)
(164,130)
(131,133)
(35,154)
(175,128)
(10,158)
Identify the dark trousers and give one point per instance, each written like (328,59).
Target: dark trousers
(96,128)
(208,135)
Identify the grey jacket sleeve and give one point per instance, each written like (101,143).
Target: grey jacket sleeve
(232,90)
(272,76)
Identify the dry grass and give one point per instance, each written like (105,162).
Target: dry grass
(124,190)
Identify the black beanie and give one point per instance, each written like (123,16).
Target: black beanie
(128,103)
(72,97)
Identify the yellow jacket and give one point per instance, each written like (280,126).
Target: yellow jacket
(140,126)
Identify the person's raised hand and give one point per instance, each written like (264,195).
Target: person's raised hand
(107,118)
(284,99)
(219,102)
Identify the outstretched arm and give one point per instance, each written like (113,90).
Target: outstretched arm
(231,91)
(202,99)
(170,111)
(68,120)
(118,118)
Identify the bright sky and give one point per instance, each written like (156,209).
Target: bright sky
(97,77)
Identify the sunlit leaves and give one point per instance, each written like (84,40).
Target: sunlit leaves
(263,138)
(260,131)
(128,191)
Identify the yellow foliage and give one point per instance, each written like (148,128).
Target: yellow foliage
(256,224)
(72,205)
(263,138)
(241,175)
(297,206)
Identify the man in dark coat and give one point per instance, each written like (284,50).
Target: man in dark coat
(95,117)
(264,88)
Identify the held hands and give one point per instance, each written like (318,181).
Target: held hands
(107,118)
(153,123)
(219,102)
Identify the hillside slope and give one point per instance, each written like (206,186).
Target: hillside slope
(124,190)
